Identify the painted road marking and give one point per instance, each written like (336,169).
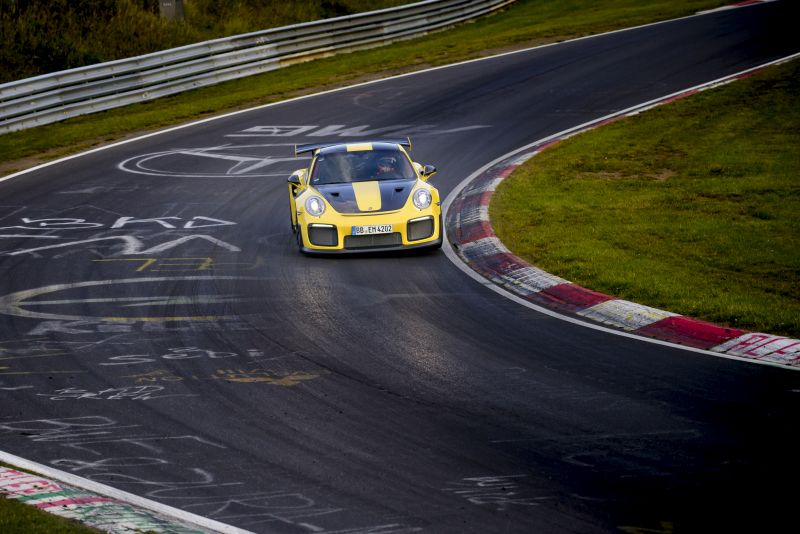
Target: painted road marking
(16,303)
(131,245)
(363,131)
(231,161)
(187,264)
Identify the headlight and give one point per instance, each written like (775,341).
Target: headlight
(422,198)
(315,206)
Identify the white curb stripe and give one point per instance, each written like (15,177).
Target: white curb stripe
(764,347)
(480,190)
(533,279)
(625,314)
(492,186)
(483,247)
(477,214)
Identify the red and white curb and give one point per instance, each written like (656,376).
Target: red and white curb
(97,505)
(474,242)
(735,6)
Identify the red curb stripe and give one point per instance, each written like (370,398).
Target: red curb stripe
(486,197)
(505,173)
(475,231)
(501,263)
(79,500)
(471,203)
(572,297)
(752,73)
(603,123)
(690,332)
(547,145)
(501,170)
(679,97)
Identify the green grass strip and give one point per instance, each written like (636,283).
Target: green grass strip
(16,517)
(690,207)
(525,23)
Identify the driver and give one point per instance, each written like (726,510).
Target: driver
(386,167)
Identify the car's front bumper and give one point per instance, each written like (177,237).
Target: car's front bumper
(436,243)
(335,236)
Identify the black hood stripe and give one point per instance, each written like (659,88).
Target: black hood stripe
(342,197)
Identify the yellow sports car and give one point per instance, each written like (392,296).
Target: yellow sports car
(366,196)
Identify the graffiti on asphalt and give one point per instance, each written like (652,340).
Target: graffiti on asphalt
(129,393)
(498,492)
(240,376)
(363,131)
(182,353)
(55,237)
(104,450)
(223,161)
(184,264)
(166,296)
(277,160)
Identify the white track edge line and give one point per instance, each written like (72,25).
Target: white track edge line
(124,496)
(458,262)
(370,82)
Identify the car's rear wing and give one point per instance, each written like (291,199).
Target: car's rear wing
(301,149)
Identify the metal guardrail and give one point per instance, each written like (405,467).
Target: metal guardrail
(61,95)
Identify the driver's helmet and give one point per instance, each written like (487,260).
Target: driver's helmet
(386,164)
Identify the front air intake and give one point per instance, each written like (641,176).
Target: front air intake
(373,241)
(323,235)
(420,228)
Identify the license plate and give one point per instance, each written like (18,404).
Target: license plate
(372,229)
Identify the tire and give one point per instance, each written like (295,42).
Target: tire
(299,238)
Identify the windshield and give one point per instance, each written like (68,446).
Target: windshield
(361,166)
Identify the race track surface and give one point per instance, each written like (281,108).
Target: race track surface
(160,333)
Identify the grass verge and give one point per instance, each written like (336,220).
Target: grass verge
(690,207)
(526,23)
(16,517)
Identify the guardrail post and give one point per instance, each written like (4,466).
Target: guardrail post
(171,9)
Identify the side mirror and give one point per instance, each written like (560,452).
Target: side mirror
(428,171)
(294,179)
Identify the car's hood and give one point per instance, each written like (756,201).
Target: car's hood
(367,197)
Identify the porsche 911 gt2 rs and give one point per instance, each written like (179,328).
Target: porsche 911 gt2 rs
(365,196)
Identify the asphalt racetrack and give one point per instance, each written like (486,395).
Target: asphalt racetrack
(160,333)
